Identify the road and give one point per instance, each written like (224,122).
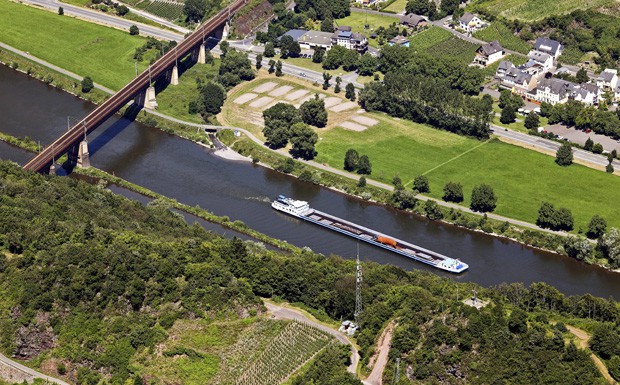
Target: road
(583,339)
(103,18)
(17,366)
(382,350)
(281,312)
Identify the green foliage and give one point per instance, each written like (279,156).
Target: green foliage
(351,160)
(87,84)
(420,183)
(211,99)
(270,50)
(564,155)
(433,211)
(596,227)
(483,198)
(235,67)
(532,121)
(318,55)
(328,368)
(453,192)
(556,219)
(313,112)
(133,30)
(278,122)
(364,166)
(303,139)
(61,11)
(350,92)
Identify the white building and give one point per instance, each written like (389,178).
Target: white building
(607,80)
(350,40)
(548,46)
(541,58)
(470,22)
(556,91)
(314,39)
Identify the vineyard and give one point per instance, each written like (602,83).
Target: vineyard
(498,31)
(170,10)
(293,347)
(455,49)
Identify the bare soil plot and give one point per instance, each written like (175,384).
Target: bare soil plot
(296,94)
(332,101)
(353,126)
(245,98)
(343,107)
(281,91)
(260,102)
(265,87)
(366,121)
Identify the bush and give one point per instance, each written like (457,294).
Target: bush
(433,211)
(133,30)
(453,192)
(61,11)
(420,183)
(596,227)
(286,166)
(564,155)
(483,198)
(361,182)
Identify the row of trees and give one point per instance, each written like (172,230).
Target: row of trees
(555,219)
(429,100)
(360,164)
(573,113)
(429,8)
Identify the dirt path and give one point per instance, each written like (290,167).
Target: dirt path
(281,312)
(16,371)
(582,338)
(381,356)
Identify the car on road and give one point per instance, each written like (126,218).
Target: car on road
(302,74)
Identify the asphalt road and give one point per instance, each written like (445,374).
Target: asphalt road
(17,366)
(103,18)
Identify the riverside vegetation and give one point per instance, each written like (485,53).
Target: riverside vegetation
(95,287)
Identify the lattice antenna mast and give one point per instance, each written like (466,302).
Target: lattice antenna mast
(358,289)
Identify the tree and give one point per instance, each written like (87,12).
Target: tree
(545,109)
(397,182)
(596,227)
(303,139)
(212,97)
(361,182)
(546,216)
(609,245)
(565,219)
(272,65)
(279,68)
(278,122)
(337,87)
(420,183)
(564,155)
(597,148)
(364,166)
(350,92)
(327,25)
(122,10)
(313,112)
(194,10)
(270,50)
(532,121)
(453,192)
(614,367)
(351,159)
(87,84)
(234,68)
(285,42)
(326,78)
(483,198)
(133,30)
(582,76)
(588,145)
(318,55)
(224,47)
(517,322)
(367,64)
(419,7)
(508,115)
(609,168)
(350,60)
(61,11)
(259,61)
(433,212)
(334,57)
(578,248)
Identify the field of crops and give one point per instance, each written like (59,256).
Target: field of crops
(428,38)
(294,346)
(166,9)
(455,49)
(530,10)
(498,31)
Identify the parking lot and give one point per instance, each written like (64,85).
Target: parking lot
(580,137)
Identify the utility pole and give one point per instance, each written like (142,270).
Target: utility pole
(358,289)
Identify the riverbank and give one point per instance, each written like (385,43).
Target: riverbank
(539,239)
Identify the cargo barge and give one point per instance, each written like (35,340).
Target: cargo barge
(302,209)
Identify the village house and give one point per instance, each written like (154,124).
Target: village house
(548,46)
(607,80)
(489,53)
(350,40)
(412,20)
(558,91)
(544,60)
(315,39)
(470,22)
(516,79)
(399,41)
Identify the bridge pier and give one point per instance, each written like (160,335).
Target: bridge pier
(146,99)
(83,157)
(226,30)
(52,170)
(174,78)
(202,55)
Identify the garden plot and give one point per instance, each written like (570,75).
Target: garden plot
(343,106)
(245,98)
(296,95)
(265,87)
(261,102)
(280,91)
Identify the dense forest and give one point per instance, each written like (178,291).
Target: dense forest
(93,279)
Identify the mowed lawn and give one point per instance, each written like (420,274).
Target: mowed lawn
(358,21)
(530,10)
(87,49)
(520,177)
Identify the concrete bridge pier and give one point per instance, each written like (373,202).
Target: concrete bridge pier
(226,30)
(202,55)
(83,157)
(174,78)
(147,99)
(52,169)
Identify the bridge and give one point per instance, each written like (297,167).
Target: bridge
(140,89)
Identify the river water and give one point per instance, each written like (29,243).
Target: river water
(193,175)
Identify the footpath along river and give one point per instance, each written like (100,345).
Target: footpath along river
(193,175)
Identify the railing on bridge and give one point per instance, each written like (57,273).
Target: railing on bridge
(70,140)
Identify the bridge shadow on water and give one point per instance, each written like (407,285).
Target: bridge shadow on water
(116,128)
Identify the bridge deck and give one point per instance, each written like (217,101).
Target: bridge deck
(62,145)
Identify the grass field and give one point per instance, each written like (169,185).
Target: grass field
(174,100)
(530,10)
(84,48)
(520,177)
(498,31)
(398,6)
(357,21)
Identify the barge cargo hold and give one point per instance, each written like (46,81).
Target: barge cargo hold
(302,210)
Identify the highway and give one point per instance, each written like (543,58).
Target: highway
(29,372)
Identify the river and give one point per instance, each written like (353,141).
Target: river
(191,174)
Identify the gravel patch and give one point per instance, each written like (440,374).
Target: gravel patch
(366,121)
(353,126)
(265,87)
(245,98)
(281,91)
(296,94)
(332,101)
(344,106)
(260,102)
